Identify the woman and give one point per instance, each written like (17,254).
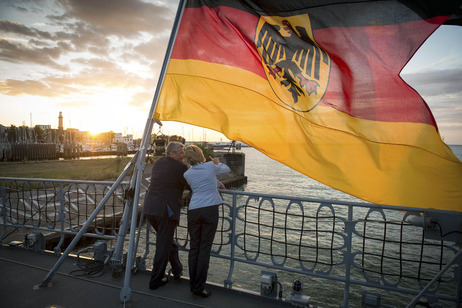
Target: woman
(202,214)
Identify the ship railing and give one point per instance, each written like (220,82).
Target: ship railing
(59,208)
(373,253)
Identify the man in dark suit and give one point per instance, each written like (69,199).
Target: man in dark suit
(162,209)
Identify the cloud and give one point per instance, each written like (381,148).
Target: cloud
(442,91)
(436,82)
(80,45)
(95,74)
(16,28)
(20,53)
(142,99)
(154,49)
(118,17)
(34,87)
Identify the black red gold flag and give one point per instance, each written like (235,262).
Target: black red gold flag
(316,86)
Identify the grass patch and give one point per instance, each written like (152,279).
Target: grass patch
(86,170)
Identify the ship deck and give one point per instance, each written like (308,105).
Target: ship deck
(22,272)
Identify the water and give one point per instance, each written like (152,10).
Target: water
(266,175)
(457,150)
(271,177)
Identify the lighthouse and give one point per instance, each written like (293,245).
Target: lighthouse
(60,123)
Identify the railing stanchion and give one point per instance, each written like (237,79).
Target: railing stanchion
(348,257)
(430,284)
(62,218)
(3,210)
(229,282)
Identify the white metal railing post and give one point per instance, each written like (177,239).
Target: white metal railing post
(429,285)
(229,282)
(459,284)
(62,219)
(348,257)
(3,210)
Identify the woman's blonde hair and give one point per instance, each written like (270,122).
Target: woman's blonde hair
(194,154)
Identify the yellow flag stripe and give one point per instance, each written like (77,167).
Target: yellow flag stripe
(376,165)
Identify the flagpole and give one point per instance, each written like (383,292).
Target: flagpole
(125,293)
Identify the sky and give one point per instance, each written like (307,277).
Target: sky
(98,63)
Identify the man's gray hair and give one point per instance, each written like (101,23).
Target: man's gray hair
(174,147)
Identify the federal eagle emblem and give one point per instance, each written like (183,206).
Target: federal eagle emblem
(296,67)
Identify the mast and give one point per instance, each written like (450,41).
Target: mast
(125,293)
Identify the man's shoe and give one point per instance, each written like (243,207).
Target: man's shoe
(202,294)
(156,285)
(177,277)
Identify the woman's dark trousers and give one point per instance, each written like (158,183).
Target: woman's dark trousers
(202,225)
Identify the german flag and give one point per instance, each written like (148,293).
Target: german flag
(316,86)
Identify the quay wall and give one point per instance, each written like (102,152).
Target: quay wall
(236,162)
(20,152)
(48,151)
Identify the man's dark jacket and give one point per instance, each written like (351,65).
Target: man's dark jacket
(167,185)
